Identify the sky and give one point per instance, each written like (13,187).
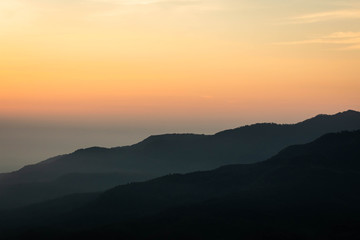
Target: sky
(78,73)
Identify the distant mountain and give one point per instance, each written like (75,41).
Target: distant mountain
(308,191)
(96,169)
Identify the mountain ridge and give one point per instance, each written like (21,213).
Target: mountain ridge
(304,192)
(163,154)
(166,136)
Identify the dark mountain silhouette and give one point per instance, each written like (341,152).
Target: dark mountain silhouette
(97,169)
(308,191)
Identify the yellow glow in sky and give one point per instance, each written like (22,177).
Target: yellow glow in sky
(177,59)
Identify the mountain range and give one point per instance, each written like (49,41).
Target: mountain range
(97,169)
(308,191)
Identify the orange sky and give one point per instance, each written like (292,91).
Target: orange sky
(130,60)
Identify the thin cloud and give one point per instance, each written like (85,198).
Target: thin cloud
(337,35)
(326,16)
(348,40)
(354,47)
(123,7)
(145,2)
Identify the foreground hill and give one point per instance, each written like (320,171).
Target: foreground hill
(306,191)
(96,169)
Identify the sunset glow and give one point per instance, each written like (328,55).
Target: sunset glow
(75,58)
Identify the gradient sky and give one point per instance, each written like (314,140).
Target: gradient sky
(109,72)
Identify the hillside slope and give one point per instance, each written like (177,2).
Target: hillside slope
(308,191)
(96,169)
